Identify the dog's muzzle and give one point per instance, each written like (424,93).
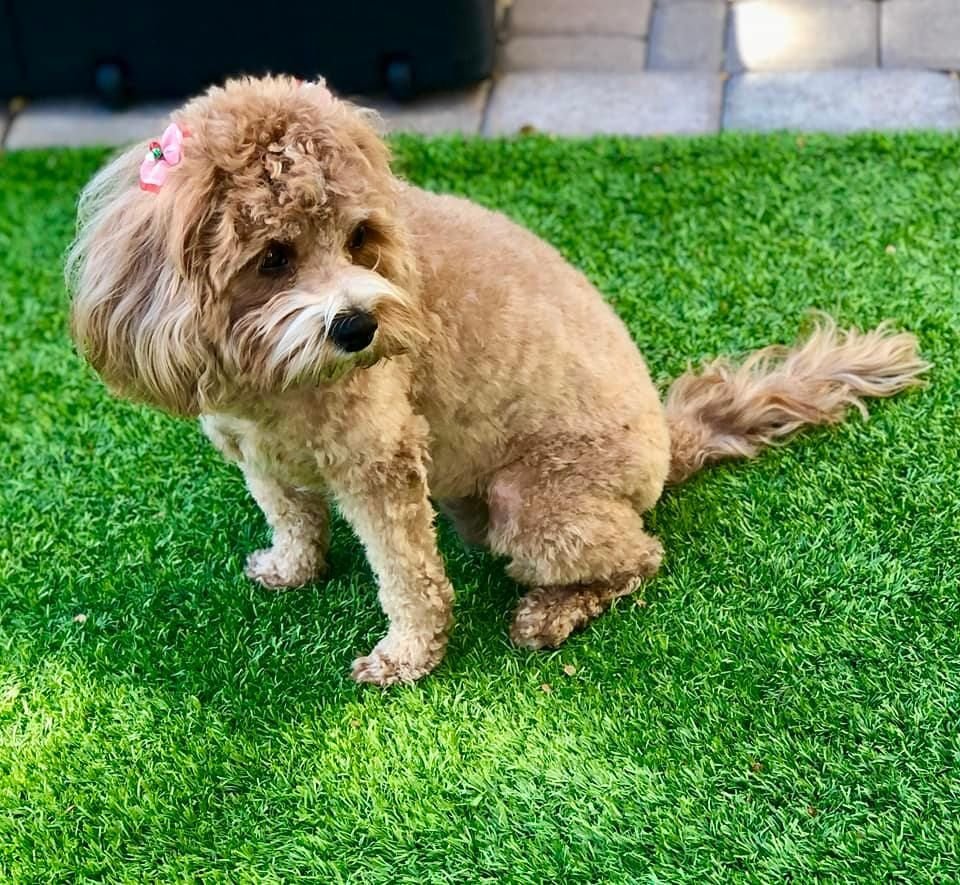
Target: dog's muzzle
(352,332)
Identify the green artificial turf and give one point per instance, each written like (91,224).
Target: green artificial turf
(785,704)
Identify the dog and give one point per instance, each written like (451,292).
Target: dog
(344,335)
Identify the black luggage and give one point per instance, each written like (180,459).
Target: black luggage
(10,83)
(130,49)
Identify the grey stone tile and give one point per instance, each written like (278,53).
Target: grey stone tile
(578,53)
(842,101)
(687,35)
(77,123)
(51,124)
(920,34)
(434,114)
(799,35)
(614,17)
(648,103)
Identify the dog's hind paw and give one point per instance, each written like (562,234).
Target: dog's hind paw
(279,569)
(546,616)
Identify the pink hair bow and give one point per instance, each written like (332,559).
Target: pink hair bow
(162,156)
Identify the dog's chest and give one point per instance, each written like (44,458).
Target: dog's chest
(284,448)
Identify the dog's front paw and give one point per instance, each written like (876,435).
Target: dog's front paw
(281,568)
(391,662)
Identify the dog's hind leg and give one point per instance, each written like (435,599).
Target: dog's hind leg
(578,547)
(546,616)
(301,533)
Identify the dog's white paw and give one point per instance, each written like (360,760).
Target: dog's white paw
(279,569)
(390,663)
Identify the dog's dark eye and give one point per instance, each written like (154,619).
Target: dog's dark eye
(358,237)
(275,258)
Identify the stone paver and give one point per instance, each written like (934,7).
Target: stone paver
(648,103)
(435,114)
(920,33)
(687,35)
(578,53)
(49,124)
(778,35)
(616,17)
(842,101)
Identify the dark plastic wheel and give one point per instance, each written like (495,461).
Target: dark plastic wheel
(398,77)
(111,83)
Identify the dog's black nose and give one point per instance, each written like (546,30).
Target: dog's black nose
(352,332)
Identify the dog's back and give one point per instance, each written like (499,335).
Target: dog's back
(525,346)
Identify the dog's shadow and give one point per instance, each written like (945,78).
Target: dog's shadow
(167,606)
(185,622)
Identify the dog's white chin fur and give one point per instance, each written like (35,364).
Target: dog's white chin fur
(288,337)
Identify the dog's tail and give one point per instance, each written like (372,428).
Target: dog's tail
(726,411)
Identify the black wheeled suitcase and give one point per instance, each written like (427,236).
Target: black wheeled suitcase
(135,50)
(10,82)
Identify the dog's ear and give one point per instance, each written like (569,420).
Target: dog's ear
(133,316)
(365,128)
(194,226)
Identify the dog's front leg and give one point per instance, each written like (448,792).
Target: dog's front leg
(301,533)
(388,506)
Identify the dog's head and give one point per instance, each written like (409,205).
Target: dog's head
(271,256)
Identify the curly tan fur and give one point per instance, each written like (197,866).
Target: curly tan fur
(732,412)
(479,390)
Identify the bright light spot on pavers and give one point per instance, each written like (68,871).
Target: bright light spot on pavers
(764,34)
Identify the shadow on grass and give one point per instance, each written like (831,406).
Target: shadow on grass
(150,592)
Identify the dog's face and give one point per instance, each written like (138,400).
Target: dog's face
(270,258)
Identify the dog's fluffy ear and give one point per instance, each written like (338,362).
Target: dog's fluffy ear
(365,129)
(134,316)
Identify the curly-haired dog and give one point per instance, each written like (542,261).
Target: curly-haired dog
(344,335)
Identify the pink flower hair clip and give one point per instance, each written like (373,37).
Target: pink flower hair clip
(161,157)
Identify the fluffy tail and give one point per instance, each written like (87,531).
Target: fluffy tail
(728,411)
